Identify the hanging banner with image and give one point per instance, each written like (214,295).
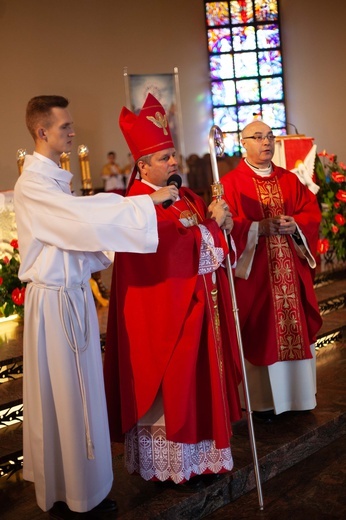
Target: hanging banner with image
(165,88)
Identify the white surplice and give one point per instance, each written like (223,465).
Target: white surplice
(61,238)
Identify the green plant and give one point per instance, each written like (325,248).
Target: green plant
(331,177)
(12,290)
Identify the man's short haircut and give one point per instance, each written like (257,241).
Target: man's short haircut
(39,109)
(146,159)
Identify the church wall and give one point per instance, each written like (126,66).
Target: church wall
(79,48)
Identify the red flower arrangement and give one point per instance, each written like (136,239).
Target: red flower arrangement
(12,290)
(331,177)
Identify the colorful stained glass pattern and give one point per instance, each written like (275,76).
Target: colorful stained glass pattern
(232,145)
(217,13)
(270,63)
(219,40)
(226,118)
(223,93)
(274,114)
(245,64)
(268,36)
(221,66)
(243,38)
(281,131)
(248,90)
(272,89)
(266,10)
(241,11)
(247,113)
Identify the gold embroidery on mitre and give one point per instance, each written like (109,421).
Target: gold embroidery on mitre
(288,321)
(160,121)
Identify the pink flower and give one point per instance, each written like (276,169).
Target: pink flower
(342,165)
(339,219)
(18,296)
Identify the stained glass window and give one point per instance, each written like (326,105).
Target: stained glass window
(245,62)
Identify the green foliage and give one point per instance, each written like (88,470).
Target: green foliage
(331,177)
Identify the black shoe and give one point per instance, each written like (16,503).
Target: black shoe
(267,417)
(106,506)
(60,511)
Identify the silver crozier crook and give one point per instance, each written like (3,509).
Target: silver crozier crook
(216,147)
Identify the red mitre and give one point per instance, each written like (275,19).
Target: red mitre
(148,132)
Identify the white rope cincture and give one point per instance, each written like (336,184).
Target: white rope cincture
(64,297)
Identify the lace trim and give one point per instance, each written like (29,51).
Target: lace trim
(149,453)
(211,257)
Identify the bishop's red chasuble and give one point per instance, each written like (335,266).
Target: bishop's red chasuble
(171,329)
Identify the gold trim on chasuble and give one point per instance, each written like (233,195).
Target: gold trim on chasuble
(282,276)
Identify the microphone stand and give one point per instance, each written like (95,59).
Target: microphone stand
(216,146)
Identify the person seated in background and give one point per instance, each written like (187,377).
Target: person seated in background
(171,362)
(276,225)
(112,177)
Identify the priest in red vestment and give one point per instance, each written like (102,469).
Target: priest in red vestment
(276,225)
(171,362)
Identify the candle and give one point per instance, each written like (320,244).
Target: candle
(65,161)
(21,153)
(83,154)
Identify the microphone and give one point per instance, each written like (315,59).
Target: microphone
(294,126)
(174,179)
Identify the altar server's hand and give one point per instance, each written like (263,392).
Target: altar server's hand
(168,192)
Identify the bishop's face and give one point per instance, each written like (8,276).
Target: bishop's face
(162,165)
(259,144)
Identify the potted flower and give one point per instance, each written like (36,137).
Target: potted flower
(331,177)
(12,290)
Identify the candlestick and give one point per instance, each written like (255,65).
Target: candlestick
(21,153)
(65,161)
(83,154)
